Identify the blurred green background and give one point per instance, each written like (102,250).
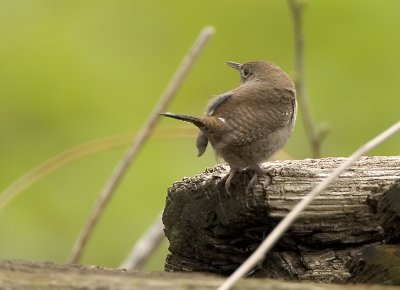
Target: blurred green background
(74,71)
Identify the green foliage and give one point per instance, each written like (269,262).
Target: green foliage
(72,71)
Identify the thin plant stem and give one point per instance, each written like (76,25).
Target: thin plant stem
(58,161)
(315,138)
(284,224)
(121,169)
(145,246)
(79,151)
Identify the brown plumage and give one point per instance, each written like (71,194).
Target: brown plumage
(247,125)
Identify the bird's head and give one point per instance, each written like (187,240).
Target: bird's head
(257,70)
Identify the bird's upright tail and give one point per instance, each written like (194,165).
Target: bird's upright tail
(194,120)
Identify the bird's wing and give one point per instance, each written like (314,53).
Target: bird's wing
(244,121)
(212,125)
(217,102)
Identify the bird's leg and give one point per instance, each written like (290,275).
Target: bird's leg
(229,179)
(251,183)
(268,178)
(259,170)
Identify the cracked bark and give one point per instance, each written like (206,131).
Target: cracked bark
(210,231)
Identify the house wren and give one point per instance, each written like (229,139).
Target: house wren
(247,125)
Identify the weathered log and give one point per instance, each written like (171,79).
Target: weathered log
(389,213)
(28,275)
(376,264)
(211,231)
(381,263)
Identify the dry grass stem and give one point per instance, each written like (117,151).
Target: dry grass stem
(80,151)
(120,170)
(145,246)
(313,134)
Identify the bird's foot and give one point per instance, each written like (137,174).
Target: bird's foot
(268,179)
(227,186)
(228,181)
(252,183)
(253,180)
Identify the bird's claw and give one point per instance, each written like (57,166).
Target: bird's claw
(253,180)
(228,181)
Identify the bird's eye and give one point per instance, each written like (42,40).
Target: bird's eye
(245,72)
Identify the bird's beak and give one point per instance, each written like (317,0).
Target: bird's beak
(234,65)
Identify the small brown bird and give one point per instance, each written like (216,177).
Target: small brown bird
(247,125)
